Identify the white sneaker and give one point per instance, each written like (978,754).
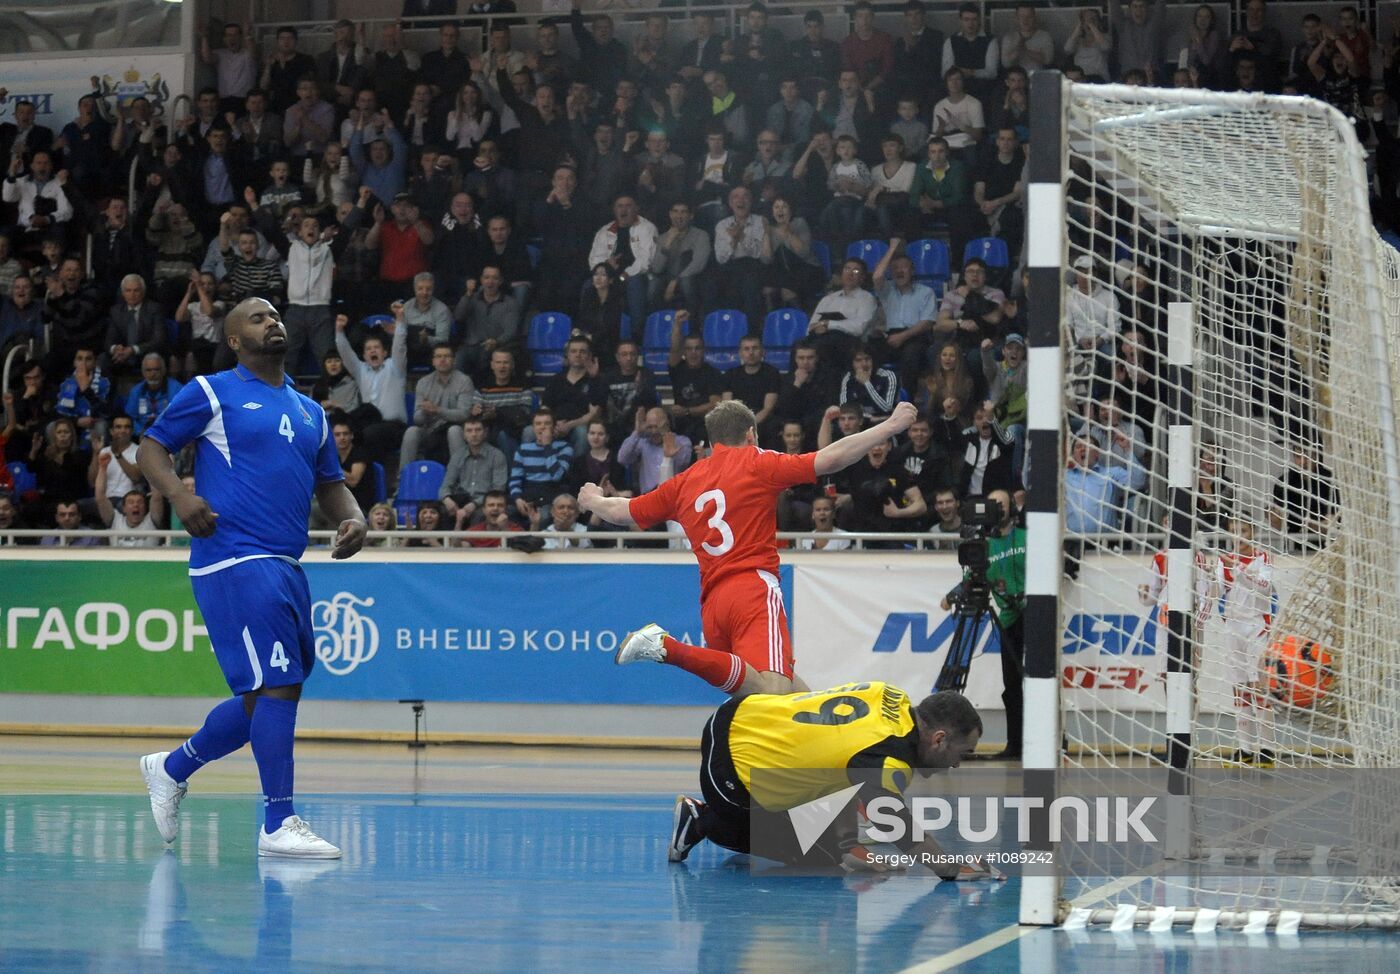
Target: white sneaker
(645,643)
(295,840)
(166,795)
(685,831)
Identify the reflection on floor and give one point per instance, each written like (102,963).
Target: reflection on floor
(565,873)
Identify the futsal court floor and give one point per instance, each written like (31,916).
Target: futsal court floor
(498,859)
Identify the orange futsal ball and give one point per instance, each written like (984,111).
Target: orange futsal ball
(1302,672)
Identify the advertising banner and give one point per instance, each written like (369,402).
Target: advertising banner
(883,622)
(54,85)
(536,633)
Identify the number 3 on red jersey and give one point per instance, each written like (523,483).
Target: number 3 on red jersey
(716,523)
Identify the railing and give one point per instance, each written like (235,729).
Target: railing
(25,353)
(399,539)
(1143,541)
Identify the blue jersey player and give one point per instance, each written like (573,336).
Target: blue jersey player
(262,451)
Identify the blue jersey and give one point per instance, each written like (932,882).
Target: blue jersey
(261,452)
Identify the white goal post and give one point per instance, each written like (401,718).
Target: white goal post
(1214,352)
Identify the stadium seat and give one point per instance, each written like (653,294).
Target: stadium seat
(823,255)
(869,251)
(172,331)
(990,249)
(931,262)
(534,253)
(419,481)
(549,331)
(780,329)
(381,490)
(625,328)
(376,321)
(410,400)
(723,330)
(24,478)
(656,340)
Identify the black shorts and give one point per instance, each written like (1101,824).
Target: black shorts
(730,817)
(725,821)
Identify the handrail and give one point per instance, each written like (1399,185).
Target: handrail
(9,361)
(922,540)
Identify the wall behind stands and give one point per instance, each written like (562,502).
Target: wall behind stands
(508,644)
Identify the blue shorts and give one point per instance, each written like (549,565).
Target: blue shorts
(258,614)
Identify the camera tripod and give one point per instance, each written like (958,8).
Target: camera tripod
(974,611)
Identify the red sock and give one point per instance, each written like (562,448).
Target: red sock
(722,670)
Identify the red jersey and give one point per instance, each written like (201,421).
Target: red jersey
(727,505)
(402,253)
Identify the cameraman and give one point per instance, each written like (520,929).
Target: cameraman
(1006,575)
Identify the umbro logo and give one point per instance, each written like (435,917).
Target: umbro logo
(252,405)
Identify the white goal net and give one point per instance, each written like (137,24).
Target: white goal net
(1230,335)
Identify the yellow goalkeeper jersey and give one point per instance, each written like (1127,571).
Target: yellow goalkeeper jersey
(791,748)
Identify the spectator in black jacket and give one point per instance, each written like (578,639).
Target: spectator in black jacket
(74,311)
(986,455)
(602,57)
(135,326)
(567,227)
(116,249)
(544,137)
(459,247)
(219,174)
(807,390)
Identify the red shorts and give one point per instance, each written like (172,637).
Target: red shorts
(744,615)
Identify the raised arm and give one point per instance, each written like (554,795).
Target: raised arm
(847,450)
(677,338)
(99,489)
(614,510)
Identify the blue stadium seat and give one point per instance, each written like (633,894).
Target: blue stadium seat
(376,321)
(656,340)
(780,329)
(24,478)
(990,249)
(381,490)
(410,400)
(625,329)
(172,331)
(549,331)
(869,251)
(534,253)
(419,481)
(723,330)
(931,262)
(823,255)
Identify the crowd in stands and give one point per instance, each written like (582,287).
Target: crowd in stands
(411,212)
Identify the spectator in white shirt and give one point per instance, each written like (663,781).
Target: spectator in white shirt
(845,318)
(1092,312)
(824,522)
(235,65)
(129,528)
(629,245)
(42,203)
(569,533)
(742,248)
(1028,46)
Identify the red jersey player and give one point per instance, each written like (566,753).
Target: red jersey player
(726,504)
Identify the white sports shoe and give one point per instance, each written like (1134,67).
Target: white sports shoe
(295,840)
(166,795)
(645,643)
(685,833)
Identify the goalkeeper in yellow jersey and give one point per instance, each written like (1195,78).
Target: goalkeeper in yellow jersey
(767,753)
